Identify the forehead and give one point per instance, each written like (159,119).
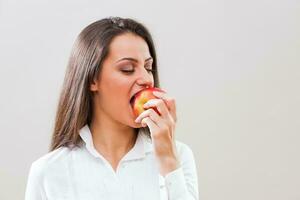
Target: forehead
(128,45)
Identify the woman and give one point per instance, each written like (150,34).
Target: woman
(99,149)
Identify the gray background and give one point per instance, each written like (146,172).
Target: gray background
(232,66)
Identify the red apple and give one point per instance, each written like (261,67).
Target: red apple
(141,98)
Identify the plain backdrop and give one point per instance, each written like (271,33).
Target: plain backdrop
(232,66)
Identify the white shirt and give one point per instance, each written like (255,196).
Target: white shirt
(84,174)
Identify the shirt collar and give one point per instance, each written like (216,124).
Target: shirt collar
(142,146)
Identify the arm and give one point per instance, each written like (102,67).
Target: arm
(178,169)
(182,183)
(34,190)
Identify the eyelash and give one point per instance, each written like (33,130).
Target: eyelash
(131,71)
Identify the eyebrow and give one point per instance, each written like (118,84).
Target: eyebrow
(133,59)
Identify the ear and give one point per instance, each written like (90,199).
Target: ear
(94,86)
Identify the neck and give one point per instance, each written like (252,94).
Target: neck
(111,138)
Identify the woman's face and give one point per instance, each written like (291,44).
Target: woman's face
(125,71)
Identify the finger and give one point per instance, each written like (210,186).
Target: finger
(170,102)
(150,123)
(156,130)
(172,106)
(158,120)
(160,106)
(148,113)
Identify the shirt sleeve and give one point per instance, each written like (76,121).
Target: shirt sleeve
(34,189)
(182,183)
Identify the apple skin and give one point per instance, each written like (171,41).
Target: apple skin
(141,98)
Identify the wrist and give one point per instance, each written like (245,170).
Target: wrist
(168,165)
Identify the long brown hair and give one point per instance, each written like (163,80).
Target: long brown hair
(85,63)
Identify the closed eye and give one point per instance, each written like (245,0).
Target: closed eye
(127,71)
(131,71)
(150,70)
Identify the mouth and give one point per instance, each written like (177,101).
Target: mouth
(133,97)
(132,100)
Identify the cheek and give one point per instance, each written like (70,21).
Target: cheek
(115,81)
(121,85)
(118,88)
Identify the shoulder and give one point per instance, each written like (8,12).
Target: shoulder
(54,159)
(49,171)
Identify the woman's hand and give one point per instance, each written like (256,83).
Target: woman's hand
(162,128)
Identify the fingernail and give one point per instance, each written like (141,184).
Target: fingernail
(158,94)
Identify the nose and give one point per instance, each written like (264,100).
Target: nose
(145,79)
